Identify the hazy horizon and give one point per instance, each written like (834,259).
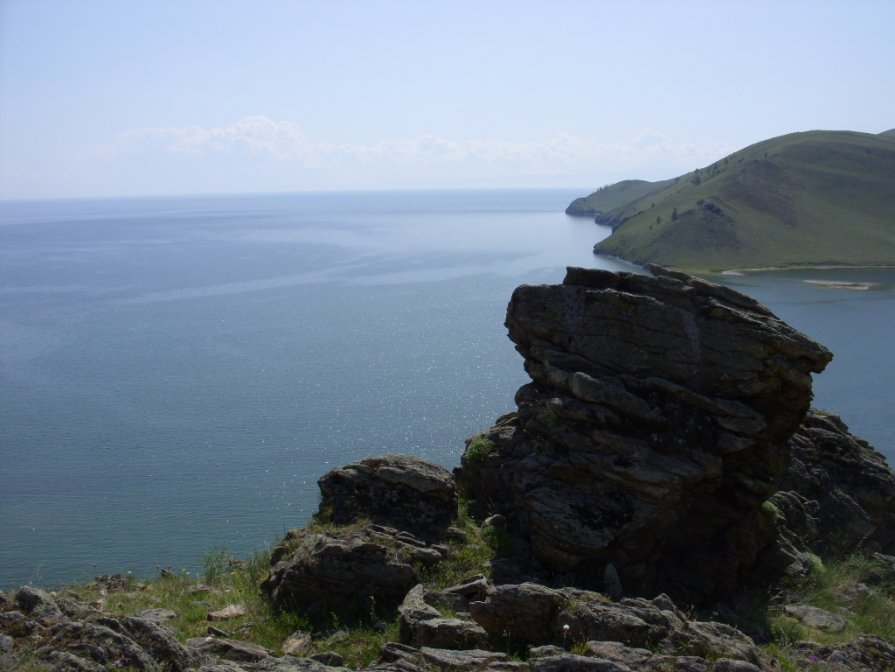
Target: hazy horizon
(102,98)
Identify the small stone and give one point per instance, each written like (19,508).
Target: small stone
(853,592)
(545,650)
(471,659)
(228,612)
(160,616)
(229,649)
(329,658)
(5,643)
(730,665)
(63,661)
(568,662)
(817,618)
(297,644)
(216,632)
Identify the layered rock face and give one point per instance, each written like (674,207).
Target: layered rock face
(656,426)
(838,494)
(365,567)
(398,490)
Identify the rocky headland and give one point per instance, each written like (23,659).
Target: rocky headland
(662,480)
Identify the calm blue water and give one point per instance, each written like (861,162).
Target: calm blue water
(176,373)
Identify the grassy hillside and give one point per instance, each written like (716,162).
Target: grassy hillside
(821,197)
(606,199)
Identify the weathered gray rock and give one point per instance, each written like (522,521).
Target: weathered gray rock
(329,658)
(461,660)
(729,665)
(412,610)
(158,642)
(227,612)
(38,604)
(632,657)
(396,657)
(16,624)
(401,491)
(655,427)
(350,572)
(297,644)
(160,616)
(568,662)
(450,633)
(63,661)
(228,649)
(886,573)
(422,625)
(710,640)
(523,614)
(472,588)
(815,617)
(838,494)
(76,610)
(638,629)
(324,662)
(97,643)
(221,666)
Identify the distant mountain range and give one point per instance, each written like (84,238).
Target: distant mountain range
(814,198)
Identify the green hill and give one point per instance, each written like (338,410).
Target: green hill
(606,199)
(815,198)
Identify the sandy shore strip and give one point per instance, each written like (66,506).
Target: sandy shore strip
(798,267)
(842,284)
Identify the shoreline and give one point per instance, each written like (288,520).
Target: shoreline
(853,285)
(797,267)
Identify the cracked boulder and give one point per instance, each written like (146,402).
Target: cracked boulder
(655,426)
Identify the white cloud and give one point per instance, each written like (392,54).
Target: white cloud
(285,141)
(281,140)
(257,153)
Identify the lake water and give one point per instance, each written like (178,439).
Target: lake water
(176,373)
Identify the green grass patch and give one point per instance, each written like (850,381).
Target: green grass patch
(478,450)
(466,558)
(227,580)
(851,587)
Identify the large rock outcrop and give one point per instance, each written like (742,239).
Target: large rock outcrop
(396,490)
(357,563)
(352,572)
(656,426)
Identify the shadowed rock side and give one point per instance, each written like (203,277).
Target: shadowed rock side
(654,429)
(838,494)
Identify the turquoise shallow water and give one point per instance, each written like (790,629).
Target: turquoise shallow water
(176,373)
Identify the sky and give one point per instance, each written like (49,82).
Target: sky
(125,98)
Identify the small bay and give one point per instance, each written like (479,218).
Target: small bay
(176,373)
